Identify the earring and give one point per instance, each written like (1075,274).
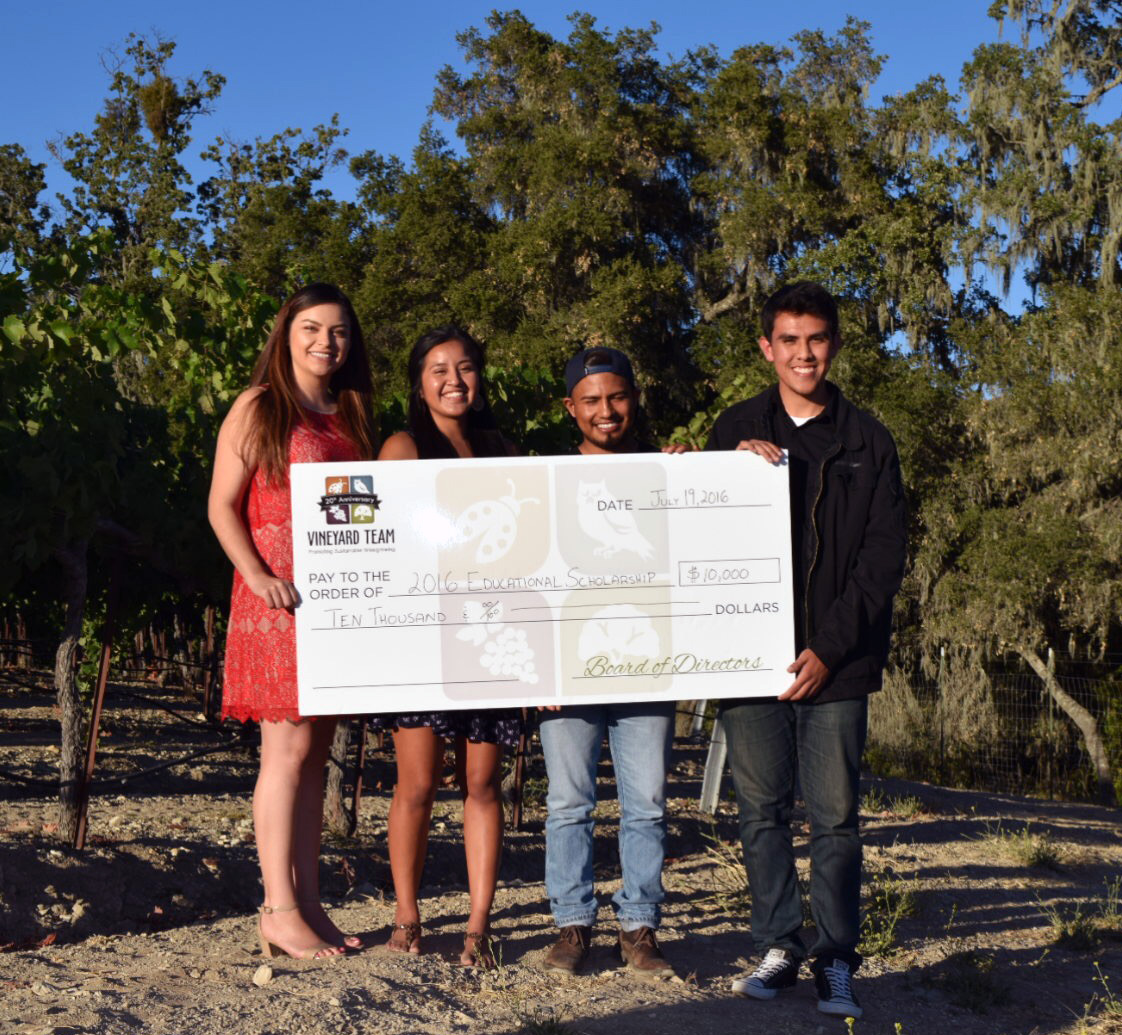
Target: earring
(478,403)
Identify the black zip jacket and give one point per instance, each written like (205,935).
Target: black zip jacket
(853,540)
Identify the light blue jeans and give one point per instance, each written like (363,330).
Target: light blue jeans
(639,736)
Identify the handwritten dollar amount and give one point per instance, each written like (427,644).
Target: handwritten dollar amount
(728,573)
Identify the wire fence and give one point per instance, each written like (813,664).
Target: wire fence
(993,729)
(982,727)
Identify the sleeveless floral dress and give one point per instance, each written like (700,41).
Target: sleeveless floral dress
(487,725)
(260,675)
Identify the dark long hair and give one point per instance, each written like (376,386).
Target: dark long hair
(277,411)
(432,444)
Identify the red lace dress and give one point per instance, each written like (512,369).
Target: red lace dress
(260,679)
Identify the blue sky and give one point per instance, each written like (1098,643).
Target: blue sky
(374,63)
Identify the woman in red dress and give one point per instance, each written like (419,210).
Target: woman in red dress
(309,401)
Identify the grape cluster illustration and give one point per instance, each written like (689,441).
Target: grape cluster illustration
(508,654)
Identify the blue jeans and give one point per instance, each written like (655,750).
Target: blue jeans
(770,743)
(639,736)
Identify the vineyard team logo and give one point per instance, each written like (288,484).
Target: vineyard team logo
(349,500)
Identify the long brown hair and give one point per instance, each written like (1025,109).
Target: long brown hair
(277,410)
(481,431)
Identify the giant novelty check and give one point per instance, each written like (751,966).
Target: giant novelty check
(434,584)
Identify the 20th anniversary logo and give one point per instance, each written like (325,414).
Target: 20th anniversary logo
(349,500)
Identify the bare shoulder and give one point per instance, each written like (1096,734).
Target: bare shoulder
(399,446)
(238,421)
(244,404)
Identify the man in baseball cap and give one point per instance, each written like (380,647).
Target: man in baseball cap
(604,401)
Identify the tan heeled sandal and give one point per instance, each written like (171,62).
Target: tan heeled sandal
(269,949)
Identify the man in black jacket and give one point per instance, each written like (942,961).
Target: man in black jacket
(848,543)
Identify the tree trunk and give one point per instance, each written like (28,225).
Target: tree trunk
(138,655)
(163,659)
(179,638)
(25,648)
(1085,722)
(74,561)
(334,811)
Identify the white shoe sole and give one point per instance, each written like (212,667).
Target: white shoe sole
(744,987)
(840,1009)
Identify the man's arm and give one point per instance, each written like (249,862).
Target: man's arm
(876,575)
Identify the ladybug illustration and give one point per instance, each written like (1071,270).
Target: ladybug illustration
(492,525)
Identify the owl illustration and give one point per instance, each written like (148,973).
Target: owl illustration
(618,631)
(614,530)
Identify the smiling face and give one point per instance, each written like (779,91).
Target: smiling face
(801,349)
(604,406)
(318,340)
(450,380)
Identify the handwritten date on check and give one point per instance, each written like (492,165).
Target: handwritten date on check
(434,584)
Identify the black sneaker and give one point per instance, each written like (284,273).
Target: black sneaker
(834,982)
(778,969)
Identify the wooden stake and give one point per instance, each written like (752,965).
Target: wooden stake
(95,714)
(519,774)
(360,764)
(211,671)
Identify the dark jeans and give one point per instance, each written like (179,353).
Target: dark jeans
(770,743)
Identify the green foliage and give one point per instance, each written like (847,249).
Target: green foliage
(1073,927)
(269,217)
(970,979)
(889,899)
(1025,847)
(127,170)
(115,404)
(22,217)
(1109,693)
(604,193)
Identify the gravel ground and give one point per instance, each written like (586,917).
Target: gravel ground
(150,929)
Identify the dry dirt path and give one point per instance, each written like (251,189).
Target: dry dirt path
(150,930)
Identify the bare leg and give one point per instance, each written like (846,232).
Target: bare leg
(308,834)
(420,757)
(287,764)
(480,785)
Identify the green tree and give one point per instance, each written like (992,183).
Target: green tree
(128,170)
(23,217)
(268,215)
(1023,549)
(92,470)
(582,151)
(427,240)
(803,178)
(1047,185)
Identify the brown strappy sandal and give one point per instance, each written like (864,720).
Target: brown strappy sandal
(405,938)
(480,948)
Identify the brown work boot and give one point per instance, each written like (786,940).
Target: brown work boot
(640,952)
(570,950)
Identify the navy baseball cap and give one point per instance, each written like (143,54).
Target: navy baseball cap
(597,360)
